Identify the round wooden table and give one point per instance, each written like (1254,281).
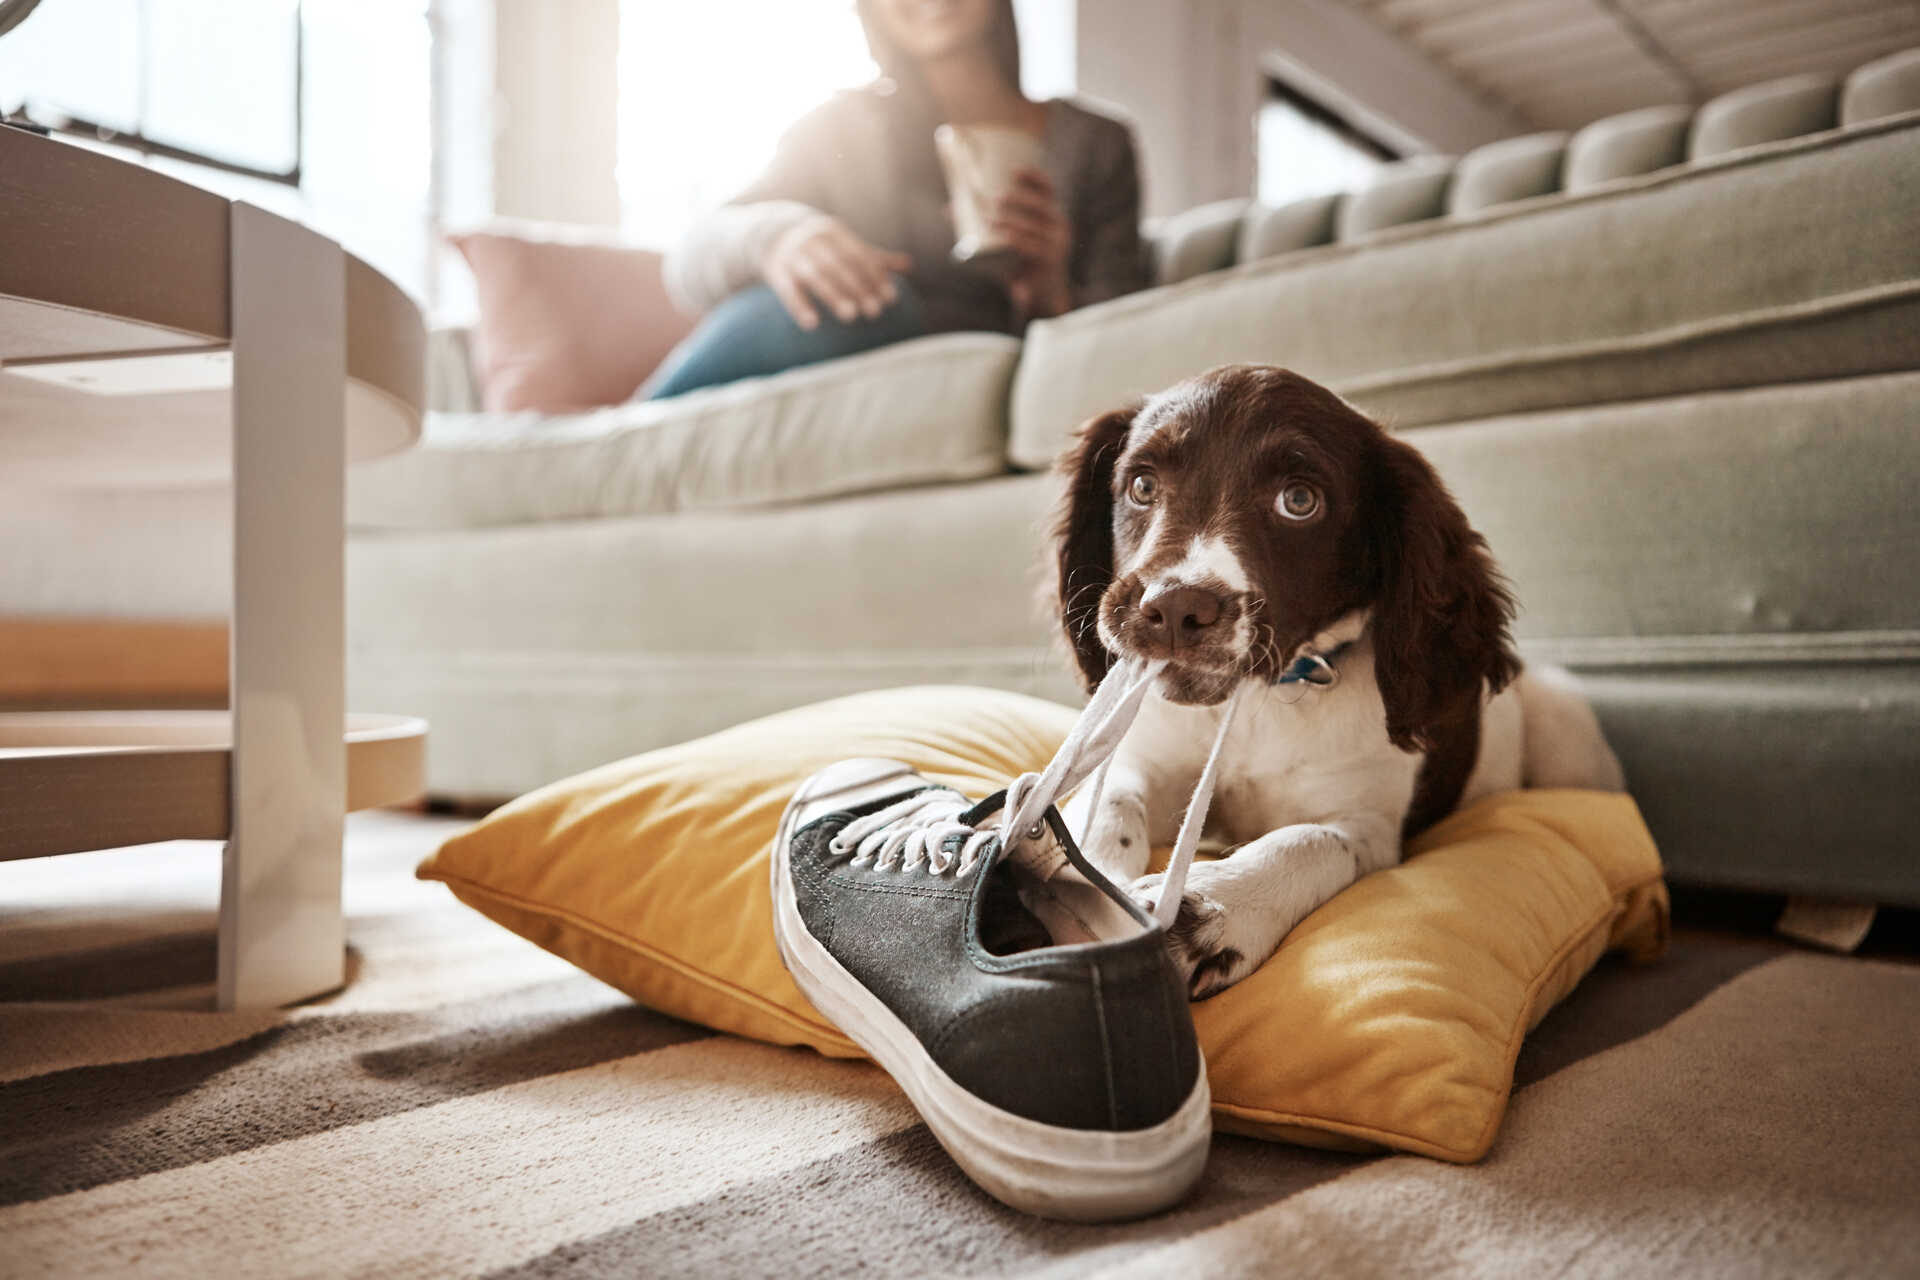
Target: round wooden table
(155,334)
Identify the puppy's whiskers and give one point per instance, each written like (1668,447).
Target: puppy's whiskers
(1265,650)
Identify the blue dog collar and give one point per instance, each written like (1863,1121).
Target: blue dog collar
(1315,669)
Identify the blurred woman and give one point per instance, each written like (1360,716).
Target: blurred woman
(846,242)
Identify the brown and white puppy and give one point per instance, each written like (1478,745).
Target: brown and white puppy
(1235,524)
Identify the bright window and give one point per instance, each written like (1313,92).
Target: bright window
(706,90)
(212,79)
(319,110)
(1305,151)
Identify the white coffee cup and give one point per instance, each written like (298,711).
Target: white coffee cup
(980,161)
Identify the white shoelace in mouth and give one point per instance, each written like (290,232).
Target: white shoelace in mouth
(921,826)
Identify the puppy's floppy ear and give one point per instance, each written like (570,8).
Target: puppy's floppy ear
(1440,623)
(1083,537)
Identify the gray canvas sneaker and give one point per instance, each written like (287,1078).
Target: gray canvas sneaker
(1028,1008)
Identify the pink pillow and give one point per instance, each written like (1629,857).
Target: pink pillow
(566,322)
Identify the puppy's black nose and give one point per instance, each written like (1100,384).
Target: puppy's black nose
(1178,616)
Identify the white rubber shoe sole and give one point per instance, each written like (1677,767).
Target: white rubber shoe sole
(1079,1175)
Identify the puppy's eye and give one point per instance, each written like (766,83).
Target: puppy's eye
(1298,501)
(1142,489)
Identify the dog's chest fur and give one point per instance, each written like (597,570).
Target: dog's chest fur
(1295,755)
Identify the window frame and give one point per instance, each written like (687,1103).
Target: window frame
(137,139)
(1379,148)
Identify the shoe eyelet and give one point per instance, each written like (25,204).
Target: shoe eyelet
(1034,831)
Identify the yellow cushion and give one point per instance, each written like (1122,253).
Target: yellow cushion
(1390,1017)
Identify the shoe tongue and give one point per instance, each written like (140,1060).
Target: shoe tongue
(1042,856)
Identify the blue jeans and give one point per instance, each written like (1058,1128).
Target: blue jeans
(751,335)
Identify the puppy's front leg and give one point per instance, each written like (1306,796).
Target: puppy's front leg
(1122,840)
(1235,911)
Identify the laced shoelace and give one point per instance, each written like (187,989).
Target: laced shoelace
(917,829)
(926,826)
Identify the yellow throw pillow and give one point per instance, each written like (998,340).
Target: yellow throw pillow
(1389,1017)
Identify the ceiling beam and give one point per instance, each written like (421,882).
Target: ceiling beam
(1651,48)
(1383,83)
(1696,22)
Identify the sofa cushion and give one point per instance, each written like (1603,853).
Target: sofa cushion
(1694,278)
(1301,224)
(1627,145)
(1410,191)
(1195,241)
(1734,576)
(567,321)
(1767,112)
(1391,1016)
(1505,171)
(1885,87)
(1757,526)
(917,413)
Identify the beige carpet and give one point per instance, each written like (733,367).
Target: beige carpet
(470,1105)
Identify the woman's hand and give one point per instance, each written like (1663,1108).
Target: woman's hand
(1028,220)
(821,261)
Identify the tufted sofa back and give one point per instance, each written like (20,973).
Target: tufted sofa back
(1765,237)
(1230,232)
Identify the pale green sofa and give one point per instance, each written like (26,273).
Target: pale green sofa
(1671,365)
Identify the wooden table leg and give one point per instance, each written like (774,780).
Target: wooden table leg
(281,933)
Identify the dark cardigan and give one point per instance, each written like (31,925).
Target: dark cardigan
(860,159)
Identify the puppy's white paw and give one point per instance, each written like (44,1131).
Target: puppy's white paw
(1199,938)
(1118,853)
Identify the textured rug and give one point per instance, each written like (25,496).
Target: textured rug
(469,1105)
